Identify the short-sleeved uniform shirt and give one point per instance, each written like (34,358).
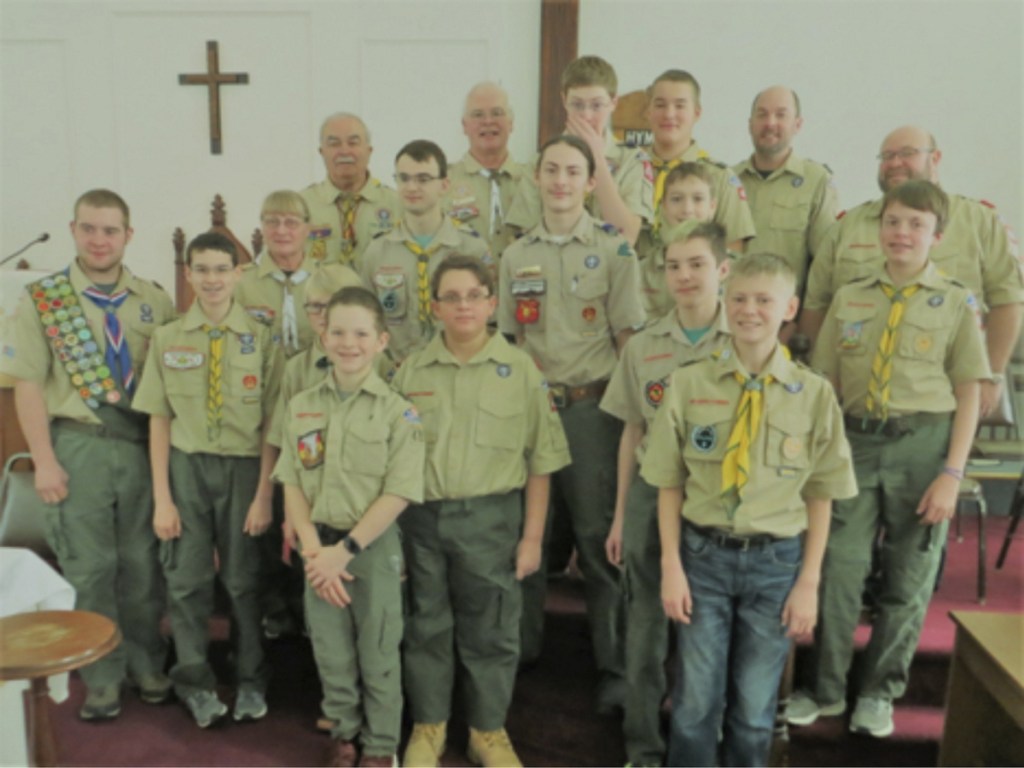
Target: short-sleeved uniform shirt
(262,291)
(29,356)
(377,211)
(630,168)
(344,453)
(644,372)
(301,372)
(731,209)
(568,296)
(793,208)
(938,346)
(488,423)
(800,450)
(976,248)
(389,269)
(469,198)
(176,382)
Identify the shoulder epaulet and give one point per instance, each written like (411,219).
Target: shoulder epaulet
(248,267)
(826,167)
(380,234)
(158,285)
(805,367)
(716,163)
(863,279)
(692,361)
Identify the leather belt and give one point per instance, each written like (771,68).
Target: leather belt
(97,430)
(727,541)
(894,426)
(329,536)
(564,396)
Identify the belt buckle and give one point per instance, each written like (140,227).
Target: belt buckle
(559,396)
(898,427)
(743,541)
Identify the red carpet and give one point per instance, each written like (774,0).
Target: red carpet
(551,722)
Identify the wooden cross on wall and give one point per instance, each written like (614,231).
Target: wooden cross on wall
(213,79)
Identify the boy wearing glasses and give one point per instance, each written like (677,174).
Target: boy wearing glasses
(397,265)
(623,191)
(210,383)
(490,430)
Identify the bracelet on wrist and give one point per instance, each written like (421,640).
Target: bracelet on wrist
(953,472)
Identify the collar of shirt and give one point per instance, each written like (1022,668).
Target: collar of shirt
(236,320)
(80,282)
(448,234)
(668,325)
(930,277)
(266,266)
(794,165)
(778,366)
(583,232)
(472,166)
(436,353)
(372,385)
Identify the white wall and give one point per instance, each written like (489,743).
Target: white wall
(861,68)
(90,97)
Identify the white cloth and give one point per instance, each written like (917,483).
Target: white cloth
(27,583)
(289,320)
(497,214)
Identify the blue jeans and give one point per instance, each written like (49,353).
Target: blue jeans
(732,654)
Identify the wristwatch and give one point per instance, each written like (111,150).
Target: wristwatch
(353,546)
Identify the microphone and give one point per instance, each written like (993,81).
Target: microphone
(41,239)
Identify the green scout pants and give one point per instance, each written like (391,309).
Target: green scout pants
(892,475)
(213,494)
(464,600)
(586,488)
(283,587)
(357,648)
(103,536)
(646,627)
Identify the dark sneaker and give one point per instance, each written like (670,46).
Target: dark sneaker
(154,689)
(101,703)
(205,707)
(249,705)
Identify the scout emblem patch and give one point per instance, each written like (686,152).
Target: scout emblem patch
(250,381)
(936,300)
(654,392)
(624,249)
(592,261)
(792,447)
(146,313)
(704,439)
(412,416)
(384,218)
(850,334)
(311,449)
(183,358)
(318,243)
(734,180)
(527,311)
(504,371)
(261,314)
(793,387)
(797,182)
(248,342)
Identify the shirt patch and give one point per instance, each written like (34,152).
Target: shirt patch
(411,415)
(794,387)
(592,261)
(705,401)
(534,271)
(311,449)
(183,359)
(850,334)
(503,371)
(320,233)
(704,439)
(624,249)
(250,381)
(262,314)
(146,313)
(652,358)
(654,392)
(797,182)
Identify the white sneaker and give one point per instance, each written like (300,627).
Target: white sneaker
(804,710)
(872,716)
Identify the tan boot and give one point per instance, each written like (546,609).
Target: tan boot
(491,749)
(426,745)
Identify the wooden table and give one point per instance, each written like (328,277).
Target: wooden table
(38,644)
(985,700)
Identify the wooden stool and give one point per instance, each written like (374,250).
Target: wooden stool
(38,644)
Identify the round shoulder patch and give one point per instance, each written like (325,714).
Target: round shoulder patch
(704,439)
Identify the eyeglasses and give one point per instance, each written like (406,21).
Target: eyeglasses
(420,179)
(455,299)
(314,307)
(288,222)
(903,154)
(596,105)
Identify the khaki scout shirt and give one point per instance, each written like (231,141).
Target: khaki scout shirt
(263,294)
(469,198)
(939,343)
(793,209)
(488,423)
(731,209)
(644,372)
(28,355)
(378,210)
(176,380)
(976,248)
(568,297)
(630,168)
(650,250)
(303,371)
(344,454)
(800,451)
(388,268)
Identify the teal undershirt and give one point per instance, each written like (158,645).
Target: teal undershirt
(695,334)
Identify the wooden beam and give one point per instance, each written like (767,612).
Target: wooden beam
(559,34)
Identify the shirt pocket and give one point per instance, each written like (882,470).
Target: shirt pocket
(392,291)
(925,334)
(854,328)
(787,440)
(365,450)
(789,216)
(244,378)
(182,381)
(499,424)
(707,434)
(585,298)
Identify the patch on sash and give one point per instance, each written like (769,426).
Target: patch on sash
(704,439)
(311,449)
(850,334)
(183,358)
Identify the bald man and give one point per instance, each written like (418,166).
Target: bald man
(484,180)
(792,199)
(350,207)
(977,248)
